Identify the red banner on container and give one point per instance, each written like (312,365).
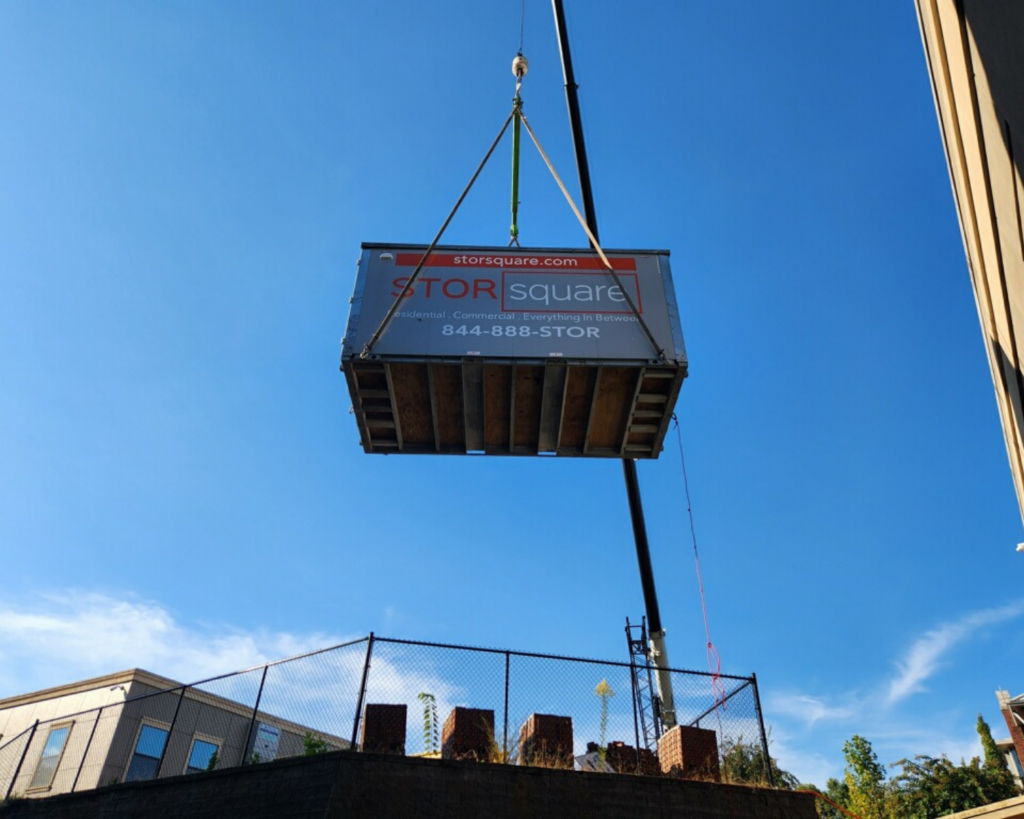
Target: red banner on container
(510,261)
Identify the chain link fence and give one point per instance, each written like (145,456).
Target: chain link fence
(401,696)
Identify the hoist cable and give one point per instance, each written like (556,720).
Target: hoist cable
(368,347)
(593,240)
(714,660)
(522,23)
(517,116)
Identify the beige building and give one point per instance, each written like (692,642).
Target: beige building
(973,50)
(134,725)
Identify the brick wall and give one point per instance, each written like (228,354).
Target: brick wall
(623,758)
(546,739)
(689,752)
(1016,734)
(383,728)
(468,734)
(350,785)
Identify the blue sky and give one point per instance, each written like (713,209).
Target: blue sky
(183,191)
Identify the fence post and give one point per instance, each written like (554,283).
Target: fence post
(504,738)
(88,744)
(255,709)
(21,761)
(769,774)
(362,692)
(170,733)
(636,708)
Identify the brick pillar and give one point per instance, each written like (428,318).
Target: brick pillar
(546,740)
(468,734)
(622,758)
(383,729)
(690,753)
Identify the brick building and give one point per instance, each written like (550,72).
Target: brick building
(1013,748)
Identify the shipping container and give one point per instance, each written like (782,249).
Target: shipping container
(513,351)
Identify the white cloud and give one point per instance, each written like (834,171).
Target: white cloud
(909,740)
(807,766)
(75,635)
(926,654)
(807,709)
(62,638)
(896,726)
(956,748)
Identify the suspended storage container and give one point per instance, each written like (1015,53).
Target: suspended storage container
(510,351)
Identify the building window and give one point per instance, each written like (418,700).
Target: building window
(53,750)
(1015,763)
(149,748)
(203,756)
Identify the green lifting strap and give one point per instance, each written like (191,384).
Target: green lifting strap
(520,65)
(517,106)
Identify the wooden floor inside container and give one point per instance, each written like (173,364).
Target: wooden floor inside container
(512,409)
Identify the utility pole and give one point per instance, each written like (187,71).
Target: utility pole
(656,633)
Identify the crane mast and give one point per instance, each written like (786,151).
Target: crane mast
(658,652)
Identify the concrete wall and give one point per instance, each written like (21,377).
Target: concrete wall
(1007,809)
(360,786)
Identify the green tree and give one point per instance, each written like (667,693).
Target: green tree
(994,759)
(865,778)
(927,787)
(604,692)
(839,792)
(835,791)
(744,762)
(431,743)
(312,745)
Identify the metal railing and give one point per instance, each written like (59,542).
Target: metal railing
(316,702)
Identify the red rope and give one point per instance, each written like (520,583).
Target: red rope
(824,798)
(714,659)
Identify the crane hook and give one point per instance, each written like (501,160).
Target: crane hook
(520,65)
